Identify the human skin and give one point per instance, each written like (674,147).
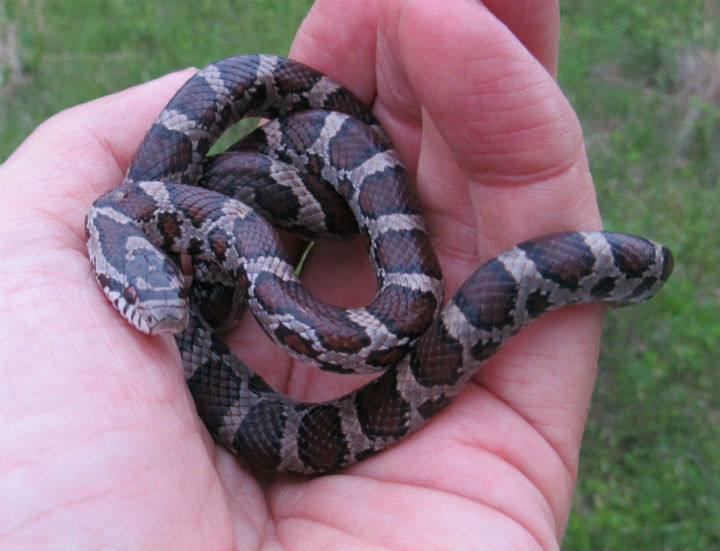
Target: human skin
(101,444)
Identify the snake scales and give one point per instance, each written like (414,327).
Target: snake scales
(322,166)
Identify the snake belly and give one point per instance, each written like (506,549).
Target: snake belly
(323,148)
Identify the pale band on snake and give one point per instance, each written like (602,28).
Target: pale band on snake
(321,167)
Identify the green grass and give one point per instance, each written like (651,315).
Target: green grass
(55,54)
(643,77)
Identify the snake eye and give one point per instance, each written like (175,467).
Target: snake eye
(130,295)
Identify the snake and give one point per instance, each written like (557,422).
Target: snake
(322,166)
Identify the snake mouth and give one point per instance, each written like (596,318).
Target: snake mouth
(156,317)
(165,314)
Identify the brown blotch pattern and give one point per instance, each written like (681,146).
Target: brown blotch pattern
(163,155)
(197,204)
(382,412)
(353,144)
(332,326)
(437,358)
(407,251)
(259,438)
(138,205)
(537,303)
(603,287)
(406,312)
(387,192)
(113,237)
(295,342)
(301,130)
(554,258)
(255,237)
(321,442)
(430,407)
(631,261)
(214,387)
(498,290)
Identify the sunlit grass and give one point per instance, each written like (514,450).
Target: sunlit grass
(644,78)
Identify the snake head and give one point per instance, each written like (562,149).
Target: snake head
(154,298)
(139,279)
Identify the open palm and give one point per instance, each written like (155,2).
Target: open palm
(101,445)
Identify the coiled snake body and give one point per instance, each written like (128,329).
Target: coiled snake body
(322,166)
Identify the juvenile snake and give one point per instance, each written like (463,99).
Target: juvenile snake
(322,166)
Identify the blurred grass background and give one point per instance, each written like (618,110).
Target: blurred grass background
(644,78)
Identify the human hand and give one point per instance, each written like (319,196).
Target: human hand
(101,443)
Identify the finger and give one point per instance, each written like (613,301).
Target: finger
(339,39)
(501,118)
(536,23)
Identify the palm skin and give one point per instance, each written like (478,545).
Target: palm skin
(101,446)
